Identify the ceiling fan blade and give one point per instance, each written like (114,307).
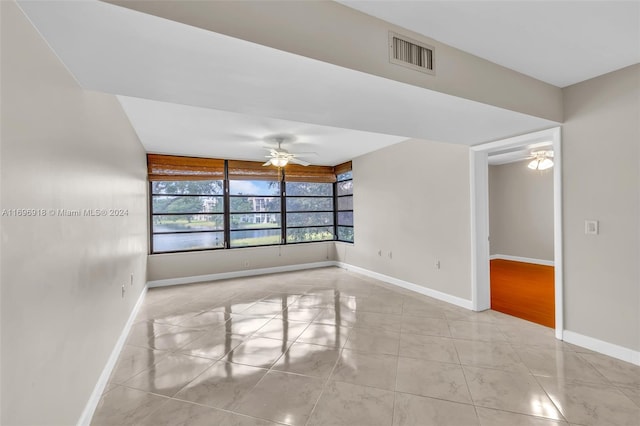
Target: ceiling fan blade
(268,163)
(298,161)
(306,154)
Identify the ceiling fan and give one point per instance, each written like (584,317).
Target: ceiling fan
(280,157)
(541,160)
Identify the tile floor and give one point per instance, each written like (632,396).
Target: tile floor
(329,347)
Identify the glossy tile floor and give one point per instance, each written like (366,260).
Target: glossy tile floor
(329,347)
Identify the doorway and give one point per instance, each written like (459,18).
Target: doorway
(479,174)
(521,233)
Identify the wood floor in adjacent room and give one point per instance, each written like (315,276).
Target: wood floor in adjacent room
(524,290)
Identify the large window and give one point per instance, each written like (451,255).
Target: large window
(309,211)
(344,207)
(204,204)
(187,215)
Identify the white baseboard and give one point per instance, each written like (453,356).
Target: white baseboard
(596,345)
(606,348)
(522,259)
(238,274)
(454,300)
(94,399)
(288,268)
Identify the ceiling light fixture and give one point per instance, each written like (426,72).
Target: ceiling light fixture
(541,160)
(280,157)
(279,161)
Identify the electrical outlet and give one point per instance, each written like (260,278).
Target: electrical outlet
(245,263)
(123,290)
(437,264)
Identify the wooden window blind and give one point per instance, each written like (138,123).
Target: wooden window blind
(296,173)
(171,167)
(342,168)
(251,170)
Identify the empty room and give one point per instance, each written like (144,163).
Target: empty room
(319,213)
(521,198)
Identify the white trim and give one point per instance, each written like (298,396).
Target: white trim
(526,139)
(94,399)
(557,232)
(238,274)
(606,348)
(288,268)
(479,173)
(480,216)
(454,300)
(591,343)
(522,259)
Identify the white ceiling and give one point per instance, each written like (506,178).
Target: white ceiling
(559,42)
(169,64)
(165,127)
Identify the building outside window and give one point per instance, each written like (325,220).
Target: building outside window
(254,213)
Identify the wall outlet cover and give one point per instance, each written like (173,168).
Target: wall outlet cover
(591,227)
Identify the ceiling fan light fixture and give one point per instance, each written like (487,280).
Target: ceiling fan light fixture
(279,161)
(280,157)
(545,164)
(533,164)
(541,161)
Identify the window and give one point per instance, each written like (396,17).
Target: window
(204,204)
(309,211)
(344,207)
(187,215)
(254,213)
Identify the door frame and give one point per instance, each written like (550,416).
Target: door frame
(479,175)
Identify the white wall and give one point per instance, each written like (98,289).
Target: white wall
(601,154)
(62,309)
(521,211)
(412,199)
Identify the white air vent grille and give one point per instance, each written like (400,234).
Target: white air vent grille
(411,53)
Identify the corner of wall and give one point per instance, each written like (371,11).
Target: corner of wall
(98,390)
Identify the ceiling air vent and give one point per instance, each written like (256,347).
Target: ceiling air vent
(411,53)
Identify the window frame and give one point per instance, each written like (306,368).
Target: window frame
(152,214)
(336,208)
(226,212)
(280,228)
(324,197)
